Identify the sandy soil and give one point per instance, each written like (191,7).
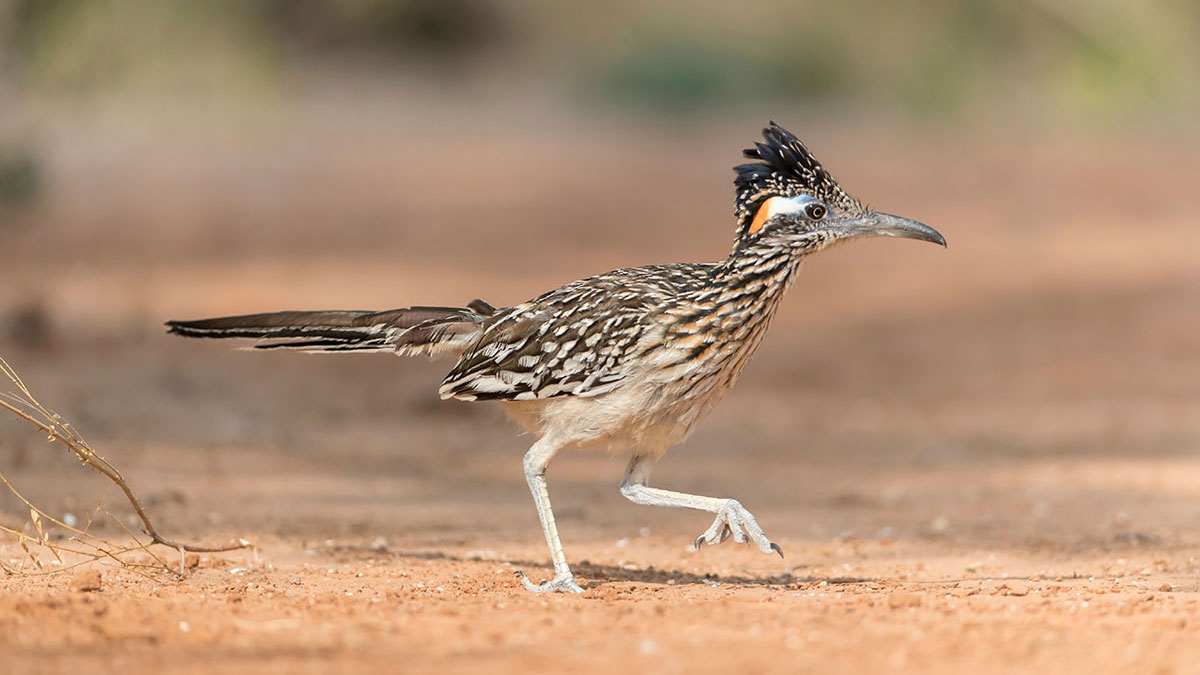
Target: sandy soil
(983,459)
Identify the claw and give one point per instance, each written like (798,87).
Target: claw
(735,521)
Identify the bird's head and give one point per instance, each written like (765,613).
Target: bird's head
(787,199)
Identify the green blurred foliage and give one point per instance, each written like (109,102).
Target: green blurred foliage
(89,47)
(20,178)
(1100,60)
(811,63)
(688,74)
(223,47)
(669,74)
(441,28)
(928,58)
(1123,67)
(933,58)
(964,51)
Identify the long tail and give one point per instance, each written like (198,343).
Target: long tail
(410,331)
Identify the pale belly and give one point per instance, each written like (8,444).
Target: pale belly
(643,417)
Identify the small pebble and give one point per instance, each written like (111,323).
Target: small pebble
(87,581)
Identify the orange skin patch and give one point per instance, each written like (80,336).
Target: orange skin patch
(760,216)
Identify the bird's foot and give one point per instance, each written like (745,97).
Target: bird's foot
(734,520)
(563,583)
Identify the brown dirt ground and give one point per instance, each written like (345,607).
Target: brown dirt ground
(983,459)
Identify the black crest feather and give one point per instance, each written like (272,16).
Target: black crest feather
(785,168)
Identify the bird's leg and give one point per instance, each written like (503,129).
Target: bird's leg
(536,461)
(732,518)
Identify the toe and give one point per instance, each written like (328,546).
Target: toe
(735,528)
(529,585)
(713,535)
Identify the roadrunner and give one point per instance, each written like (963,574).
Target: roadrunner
(630,360)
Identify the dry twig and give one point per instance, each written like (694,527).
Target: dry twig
(24,405)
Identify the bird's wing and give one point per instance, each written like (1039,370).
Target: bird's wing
(573,341)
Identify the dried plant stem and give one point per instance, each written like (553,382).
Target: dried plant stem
(25,406)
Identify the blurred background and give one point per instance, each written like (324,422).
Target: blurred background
(1037,381)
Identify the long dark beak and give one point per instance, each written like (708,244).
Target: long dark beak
(886,225)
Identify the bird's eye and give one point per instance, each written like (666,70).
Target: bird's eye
(815,211)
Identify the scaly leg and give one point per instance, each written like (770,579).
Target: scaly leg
(732,518)
(536,461)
